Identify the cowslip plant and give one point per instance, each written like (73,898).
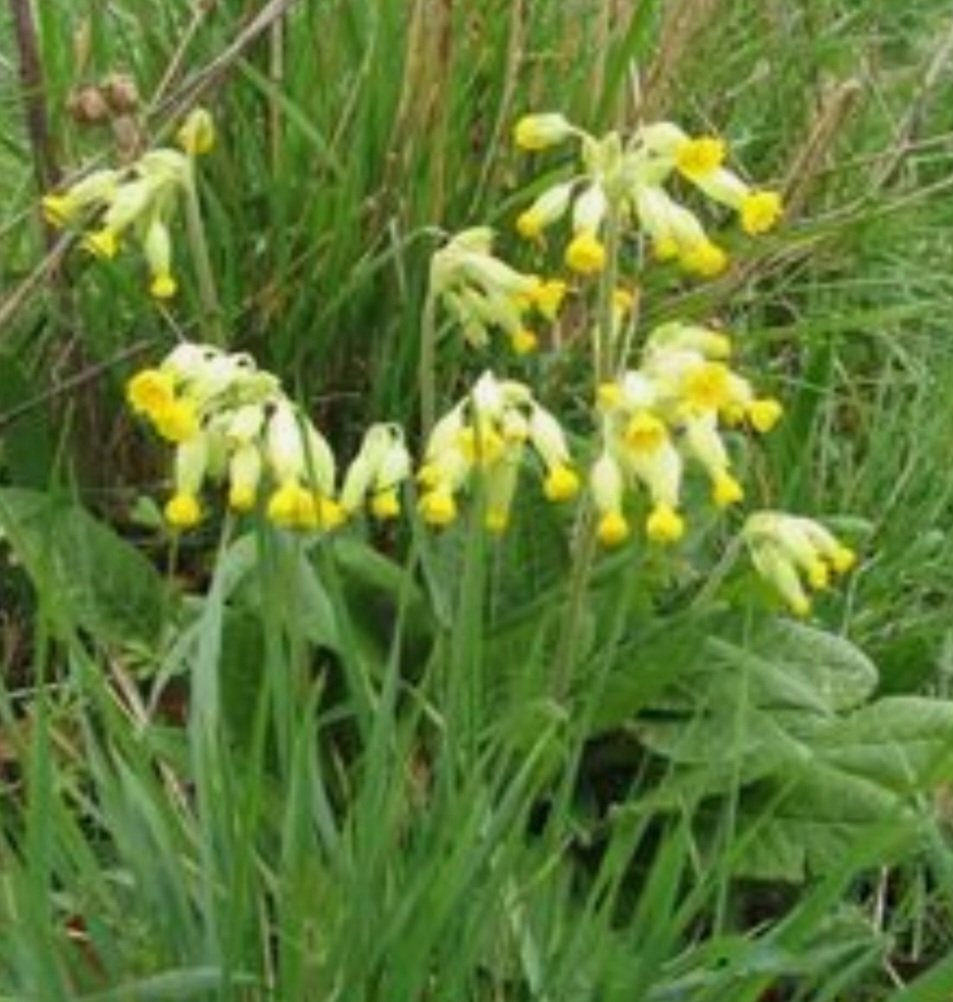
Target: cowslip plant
(628,180)
(232,422)
(487,433)
(681,406)
(108,204)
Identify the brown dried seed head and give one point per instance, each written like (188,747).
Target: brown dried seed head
(121,93)
(87,105)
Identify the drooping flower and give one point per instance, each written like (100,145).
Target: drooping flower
(483,293)
(485,437)
(633,175)
(666,415)
(141,199)
(232,422)
(795,555)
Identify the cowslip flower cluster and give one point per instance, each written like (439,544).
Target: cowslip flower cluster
(487,434)
(481,292)
(139,199)
(231,422)
(632,176)
(795,555)
(671,409)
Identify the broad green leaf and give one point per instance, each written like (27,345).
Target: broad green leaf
(87,576)
(806,824)
(905,743)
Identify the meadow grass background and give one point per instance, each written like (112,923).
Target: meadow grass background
(304,780)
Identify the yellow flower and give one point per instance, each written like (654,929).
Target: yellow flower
(664,525)
(182,511)
(328,514)
(586,253)
(241,497)
(548,297)
(484,448)
(524,341)
(150,391)
(58,210)
(178,421)
(437,507)
(291,506)
(163,286)
(707,387)
(698,157)
(764,414)
(786,547)
(102,243)
(726,490)
(561,483)
(704,258)
(244,474)
(157,248)
(539,132)
(385,505)
(549,208)
(760,211)
(197,134)
(613,529)
(645,432)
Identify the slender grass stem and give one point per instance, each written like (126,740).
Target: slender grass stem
(211,319)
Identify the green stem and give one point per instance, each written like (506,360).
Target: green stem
(605,332)
(584,557)
(211,318)
(586,542)
(426,372)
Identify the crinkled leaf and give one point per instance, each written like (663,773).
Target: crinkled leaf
(89,577)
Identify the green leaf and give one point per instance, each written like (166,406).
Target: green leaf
(86,575)
(904,743)
(809,824)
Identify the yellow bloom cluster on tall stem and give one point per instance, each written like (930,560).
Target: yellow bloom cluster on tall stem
(111,203)
(232,423)
(677,405)
(481,443)
(629,178)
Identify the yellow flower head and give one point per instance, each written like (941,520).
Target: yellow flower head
(163,286)
(292,506)
(197,134)
(726,490)
(664,525)
(102,243)
(539,132)
(645,432)
(704,258)
(182,511)
(385,505)
(58,210)
(178,421)
(707,387)
(697,157)
(764,414)
(524,341)
(586,254)
(437,507)
(760,211)
(548,297)
(613,529)
(150,391)
(561,483)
